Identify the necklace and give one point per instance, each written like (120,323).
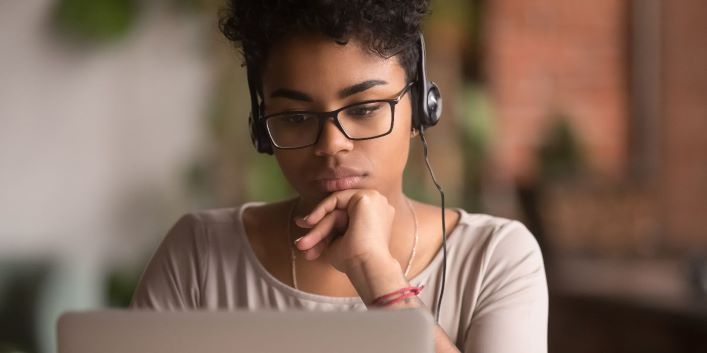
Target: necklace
(292,250)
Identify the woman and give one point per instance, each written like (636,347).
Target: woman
(351,239)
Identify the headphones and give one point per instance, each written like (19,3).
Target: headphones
(427,104)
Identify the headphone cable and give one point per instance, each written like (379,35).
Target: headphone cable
(444,229)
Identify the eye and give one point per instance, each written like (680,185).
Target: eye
(296,118)
(363,110)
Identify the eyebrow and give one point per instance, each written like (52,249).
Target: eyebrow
(291,94)
(343,93)
(360,87)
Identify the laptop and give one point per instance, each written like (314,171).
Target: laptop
(120,331)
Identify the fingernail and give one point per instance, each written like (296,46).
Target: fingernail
(298,239)
(305,217)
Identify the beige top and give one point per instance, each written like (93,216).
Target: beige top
(495,296)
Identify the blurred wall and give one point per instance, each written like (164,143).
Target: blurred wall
(95,142)
(683,142)
(88,134)
(558,59)
(628,79)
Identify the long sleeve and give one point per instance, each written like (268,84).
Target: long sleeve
(512,311)
(173,280)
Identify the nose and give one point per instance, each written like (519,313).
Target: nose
(331,140)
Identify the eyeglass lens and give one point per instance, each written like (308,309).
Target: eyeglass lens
(360,121)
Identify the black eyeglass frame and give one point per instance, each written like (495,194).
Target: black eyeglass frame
(334,114)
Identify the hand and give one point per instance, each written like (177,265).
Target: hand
(349,227)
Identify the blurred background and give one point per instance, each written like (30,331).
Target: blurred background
(584,119)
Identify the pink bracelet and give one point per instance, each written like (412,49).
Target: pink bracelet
(400,298)
(403,293)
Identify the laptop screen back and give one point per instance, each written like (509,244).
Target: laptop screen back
(113,331)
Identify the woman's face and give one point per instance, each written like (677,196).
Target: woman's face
(314,73)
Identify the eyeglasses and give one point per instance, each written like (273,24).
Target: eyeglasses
(359,121)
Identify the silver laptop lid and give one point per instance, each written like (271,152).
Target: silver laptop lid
(114,331)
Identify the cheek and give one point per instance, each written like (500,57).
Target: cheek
(392,154)
(403,116)
(402,127)
(290,164)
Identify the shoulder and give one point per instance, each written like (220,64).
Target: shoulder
(499,249)
(498,235)
(212,216)
(223,224)
(207,220)
(506,285)
(200,228)
(176,273)
(508,255)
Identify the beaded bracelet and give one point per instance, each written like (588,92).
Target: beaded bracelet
(403,293)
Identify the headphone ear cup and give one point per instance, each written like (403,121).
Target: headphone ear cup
(429,104)
(258,132)
(429,97)
(258,136)
(433,105)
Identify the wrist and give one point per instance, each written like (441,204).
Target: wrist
(372,262)
(376,276)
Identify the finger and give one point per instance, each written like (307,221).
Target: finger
(332,223)
(318,250)
(337,200)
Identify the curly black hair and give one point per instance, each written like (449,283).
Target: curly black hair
(385,27)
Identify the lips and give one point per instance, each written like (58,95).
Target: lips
(338,179)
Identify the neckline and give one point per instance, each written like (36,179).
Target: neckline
(417,280)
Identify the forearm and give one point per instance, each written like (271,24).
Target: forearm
(373,279)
